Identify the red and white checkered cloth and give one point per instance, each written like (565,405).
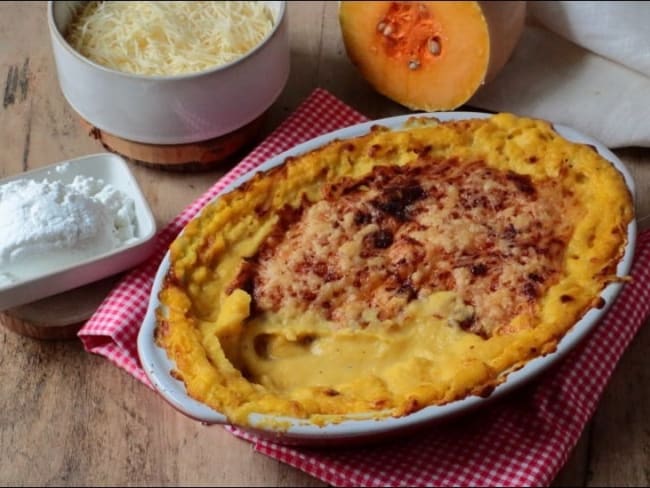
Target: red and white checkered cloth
(523,439)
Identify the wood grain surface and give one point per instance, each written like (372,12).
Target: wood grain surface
(71,418)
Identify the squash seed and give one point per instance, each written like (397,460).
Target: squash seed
(414,64)
(434,46)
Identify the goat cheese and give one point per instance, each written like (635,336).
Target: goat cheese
(53,223)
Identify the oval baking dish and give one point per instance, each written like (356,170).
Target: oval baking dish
(355,428)
(171,109)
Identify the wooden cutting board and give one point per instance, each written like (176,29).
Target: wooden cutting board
(59,316)
(195,156)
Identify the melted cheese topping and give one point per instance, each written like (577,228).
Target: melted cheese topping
(371,246)
(393,271)
(168,38)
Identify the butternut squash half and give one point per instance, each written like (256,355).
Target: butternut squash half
(430,55)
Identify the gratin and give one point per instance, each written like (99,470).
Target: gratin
(393,271)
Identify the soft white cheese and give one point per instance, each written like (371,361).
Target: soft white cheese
(52,224)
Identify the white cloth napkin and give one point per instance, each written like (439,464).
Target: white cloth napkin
(581,64)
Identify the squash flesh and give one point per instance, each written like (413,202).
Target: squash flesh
(399,63)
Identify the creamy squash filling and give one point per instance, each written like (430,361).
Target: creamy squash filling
(382,274)
(375,249)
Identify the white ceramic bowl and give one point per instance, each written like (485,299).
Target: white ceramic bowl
(171,109)
(157,366)
(34,283)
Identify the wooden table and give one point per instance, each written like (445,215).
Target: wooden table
(68,417)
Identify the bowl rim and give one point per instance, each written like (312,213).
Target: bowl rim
(58,35)
(157,365)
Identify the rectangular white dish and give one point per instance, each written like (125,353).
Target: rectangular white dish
(28,284)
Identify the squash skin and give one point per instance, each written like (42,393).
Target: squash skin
(505,22)
(495,27)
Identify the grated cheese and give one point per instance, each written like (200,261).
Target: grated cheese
(168,38)
(363,253)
